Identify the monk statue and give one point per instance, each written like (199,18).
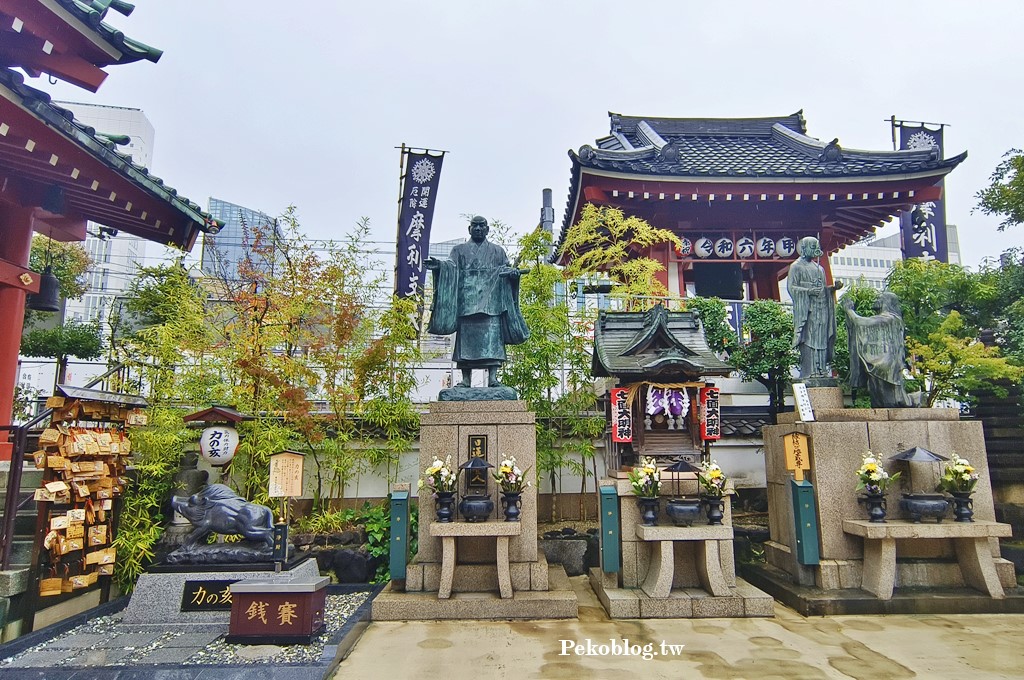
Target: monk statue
(878,351)
(814,314)
(476,296)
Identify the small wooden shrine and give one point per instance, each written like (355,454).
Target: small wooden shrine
(661,363)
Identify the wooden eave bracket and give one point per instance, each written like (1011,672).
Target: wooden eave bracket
(15,276)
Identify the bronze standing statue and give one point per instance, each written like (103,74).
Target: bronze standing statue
(476,296)
(878,351)
(814,314)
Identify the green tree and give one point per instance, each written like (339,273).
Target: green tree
(163,352)
(1004,313)
(385,378)
(765,355)
(551,371)
(1004,197)
(951,364)
(72,339)
(69,262)
(945,307)
(607,242)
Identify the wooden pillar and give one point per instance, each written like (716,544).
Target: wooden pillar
(15,245)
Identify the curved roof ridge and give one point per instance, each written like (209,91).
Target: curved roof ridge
(799,142)
(708,126)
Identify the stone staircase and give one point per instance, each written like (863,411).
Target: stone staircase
(14,580)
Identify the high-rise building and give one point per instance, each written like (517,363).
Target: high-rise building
(234,242)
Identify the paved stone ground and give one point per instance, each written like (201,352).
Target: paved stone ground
(790,647)
(106,647)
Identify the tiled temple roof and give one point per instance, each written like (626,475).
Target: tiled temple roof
(103,149)
(741,148)
(657,343)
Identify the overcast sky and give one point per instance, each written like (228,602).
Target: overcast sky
(267,104)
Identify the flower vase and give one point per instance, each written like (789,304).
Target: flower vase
(963,507)
(444,504)
(648,510)
(715,506)
(876,506)
(512,503)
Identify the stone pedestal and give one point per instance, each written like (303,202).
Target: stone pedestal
(839,438)
(675,572)
(157,598)
(480,556)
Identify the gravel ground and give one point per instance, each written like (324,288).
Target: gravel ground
(105,641)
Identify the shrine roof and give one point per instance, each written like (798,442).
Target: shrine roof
(92,14)
(638,345)
(43,143)
(67,39)
(738,148)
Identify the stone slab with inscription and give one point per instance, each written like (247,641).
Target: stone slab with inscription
(158,597)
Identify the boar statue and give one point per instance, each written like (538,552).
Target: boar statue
(218,509)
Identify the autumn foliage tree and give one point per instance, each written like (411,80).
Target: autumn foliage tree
(606,241)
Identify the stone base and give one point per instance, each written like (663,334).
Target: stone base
(557,603)
(157,597)
(813,601)
(477,394)
(470,578)
(743,601)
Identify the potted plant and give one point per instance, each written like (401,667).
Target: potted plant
(874,481)
(712,490)
(958,480)
(646,481)
(511,482)
(442,480)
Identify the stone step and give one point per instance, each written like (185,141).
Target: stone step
(21,551)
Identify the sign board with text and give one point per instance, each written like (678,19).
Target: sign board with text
(798,457)
(286,475)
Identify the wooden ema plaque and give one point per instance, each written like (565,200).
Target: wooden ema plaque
(277,611)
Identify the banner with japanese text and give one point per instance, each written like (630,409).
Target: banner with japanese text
(419,192)
(622,420)
(711,414)
(923,229)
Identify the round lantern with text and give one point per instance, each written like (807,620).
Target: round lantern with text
(218,444)
(703,247)
(724,247)
(765,247)
(785,246)
(685,247)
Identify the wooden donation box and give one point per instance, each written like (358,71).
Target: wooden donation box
(277,611)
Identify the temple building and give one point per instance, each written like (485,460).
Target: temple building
(742,192)
(58,174)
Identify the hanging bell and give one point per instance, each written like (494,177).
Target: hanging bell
(48,297)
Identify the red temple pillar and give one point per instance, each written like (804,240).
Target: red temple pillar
(15,245)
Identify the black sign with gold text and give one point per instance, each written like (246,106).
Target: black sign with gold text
(207,596)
